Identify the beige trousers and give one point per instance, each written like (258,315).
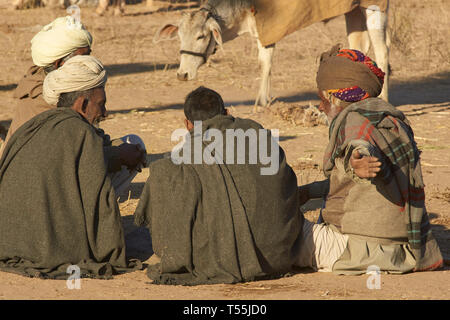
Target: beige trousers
(320,247)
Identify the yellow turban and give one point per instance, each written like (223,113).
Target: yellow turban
(58,39)
(79,73)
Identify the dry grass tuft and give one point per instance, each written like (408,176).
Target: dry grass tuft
(401,31)
(298,115)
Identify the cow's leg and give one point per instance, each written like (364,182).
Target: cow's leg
(376,26)
(102,7)
(18,4)
(54,4)
(265,55)
(358,37)
(119,7)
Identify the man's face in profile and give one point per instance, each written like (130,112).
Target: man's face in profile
(330,109)
(95,109)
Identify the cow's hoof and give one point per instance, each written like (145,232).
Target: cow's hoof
(258,109)
(100,12)
(119,12)
(264,102)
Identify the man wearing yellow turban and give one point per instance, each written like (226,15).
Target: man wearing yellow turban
(58,203)
(50,48)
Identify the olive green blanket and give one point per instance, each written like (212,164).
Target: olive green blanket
(57,205)
(220,223)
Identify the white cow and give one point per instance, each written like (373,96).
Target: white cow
(219,21)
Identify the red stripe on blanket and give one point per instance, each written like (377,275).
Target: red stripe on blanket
(363,127)
(369,132)
(432,267)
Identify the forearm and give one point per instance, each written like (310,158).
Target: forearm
(112,158)
(317,189)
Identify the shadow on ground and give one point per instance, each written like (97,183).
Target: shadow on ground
(137,239)
(433,89)
(430,90)
(8,87)
(133,68)
(175,106)
(427,109)
(304,97)
(164,9)
(442,235)
(5,124)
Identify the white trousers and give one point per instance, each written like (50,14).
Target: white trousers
(321,246)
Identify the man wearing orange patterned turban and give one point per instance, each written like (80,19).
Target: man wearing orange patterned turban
(374,215)
(349,75)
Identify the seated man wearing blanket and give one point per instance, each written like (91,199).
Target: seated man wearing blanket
(374,213)
(213,218)
(50,49)
(57,203)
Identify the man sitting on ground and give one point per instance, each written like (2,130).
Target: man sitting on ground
(375,211)
(57,203)
(216,220)
(50,49)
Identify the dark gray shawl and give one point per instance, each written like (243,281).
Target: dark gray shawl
(220,223)
(57,204)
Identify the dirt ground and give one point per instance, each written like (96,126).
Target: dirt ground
(145,98)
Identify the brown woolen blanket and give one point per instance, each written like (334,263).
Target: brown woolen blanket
(276,19)
(57,204)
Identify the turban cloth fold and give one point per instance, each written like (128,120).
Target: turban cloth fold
(57,40)
(79,73)
(349,75)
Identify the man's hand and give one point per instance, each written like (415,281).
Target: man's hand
(364,167)
(132,156)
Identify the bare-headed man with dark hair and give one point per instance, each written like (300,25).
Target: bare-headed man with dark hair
(214,221)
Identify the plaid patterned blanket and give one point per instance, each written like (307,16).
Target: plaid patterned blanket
(387,129)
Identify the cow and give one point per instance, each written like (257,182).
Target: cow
(204,30)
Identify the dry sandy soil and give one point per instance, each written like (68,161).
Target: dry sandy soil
(145,98)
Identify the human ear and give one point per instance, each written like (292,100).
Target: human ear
(188,124)
(80,105)
(58,63)
(85,104)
